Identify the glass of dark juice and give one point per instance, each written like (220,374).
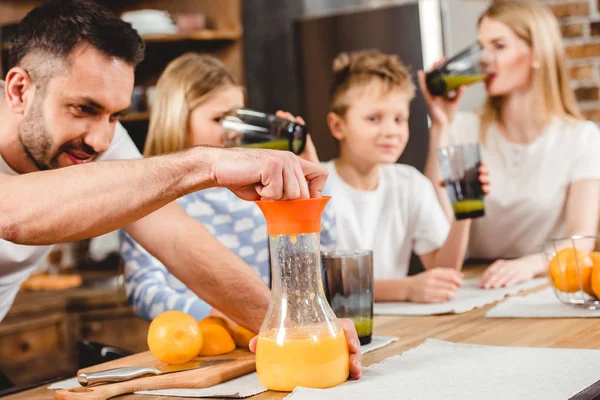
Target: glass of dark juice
(460,170)
(348,282)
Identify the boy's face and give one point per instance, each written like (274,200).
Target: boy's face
(375,127)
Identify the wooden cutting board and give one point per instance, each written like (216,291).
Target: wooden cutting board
(244,363)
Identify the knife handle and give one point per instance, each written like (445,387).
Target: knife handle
(115,375)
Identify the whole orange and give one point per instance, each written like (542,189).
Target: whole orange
(216,320)
(174,337)
(570,267)
(216,340)
(242,336)
(595,278)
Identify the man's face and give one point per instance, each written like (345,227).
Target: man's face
(72,120)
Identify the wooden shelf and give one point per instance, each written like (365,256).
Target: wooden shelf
(204,35)
(135,116)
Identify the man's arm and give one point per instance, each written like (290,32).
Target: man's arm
(82,201)
(208,268)
(88,200)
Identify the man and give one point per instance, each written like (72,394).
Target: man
(73,76)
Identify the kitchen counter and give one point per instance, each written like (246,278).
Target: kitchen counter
(470,327)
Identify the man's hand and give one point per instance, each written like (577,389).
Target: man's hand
(254,174)
(353,347)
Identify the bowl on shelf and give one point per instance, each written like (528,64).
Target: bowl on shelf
(574,270)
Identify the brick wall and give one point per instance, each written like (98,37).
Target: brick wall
(580,27)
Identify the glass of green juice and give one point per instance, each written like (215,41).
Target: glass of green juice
(463,69)
(250,128)
(460,171)
(348,283)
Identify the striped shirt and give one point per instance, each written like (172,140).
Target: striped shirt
(237,224)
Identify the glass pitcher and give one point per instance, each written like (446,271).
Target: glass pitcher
(250,128)
(465,68)
(300,342)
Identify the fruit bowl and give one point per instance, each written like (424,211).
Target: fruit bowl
(574,270)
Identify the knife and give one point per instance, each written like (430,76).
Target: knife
(128,373)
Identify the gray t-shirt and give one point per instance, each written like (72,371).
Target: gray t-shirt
(17,262)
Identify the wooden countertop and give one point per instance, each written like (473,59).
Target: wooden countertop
(470,327)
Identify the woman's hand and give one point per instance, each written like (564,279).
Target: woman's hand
(310,152)
(484,178)
(353,347)
(505,273)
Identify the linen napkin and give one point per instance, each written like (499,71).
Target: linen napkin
(237,388)
(468,297)
(438,369)
(542,304)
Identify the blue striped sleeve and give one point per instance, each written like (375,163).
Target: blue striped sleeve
(151,289)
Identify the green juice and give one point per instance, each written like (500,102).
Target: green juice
(453,82)
(440,83)
(364,328)
(279,144)
(470,208)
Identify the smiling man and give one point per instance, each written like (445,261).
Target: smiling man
(73,76)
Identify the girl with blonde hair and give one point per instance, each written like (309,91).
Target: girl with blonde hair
(193,94)
(541,154)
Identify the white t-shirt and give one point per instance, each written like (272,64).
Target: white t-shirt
(401,216)
(17,262)
(529,183)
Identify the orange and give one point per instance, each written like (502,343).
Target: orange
(564,270)
(216,340)
(216,320)
(174,337)
(242,336)
(595,278)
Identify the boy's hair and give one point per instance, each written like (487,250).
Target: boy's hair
(352,70)
(54,29)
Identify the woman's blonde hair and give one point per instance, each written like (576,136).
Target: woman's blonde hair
(184,84)
(352,70)
(535,24)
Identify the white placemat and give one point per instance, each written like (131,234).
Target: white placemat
(468,297)
(377,342)
(542,304)
(439,369)
(238,388)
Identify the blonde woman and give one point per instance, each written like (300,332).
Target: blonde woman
(193,94)
(542,156)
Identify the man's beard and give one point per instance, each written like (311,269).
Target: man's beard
(37,142)
(35,138)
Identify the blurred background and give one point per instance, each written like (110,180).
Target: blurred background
(282,50)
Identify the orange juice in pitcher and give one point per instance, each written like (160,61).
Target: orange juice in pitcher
(300,342)
(305,357)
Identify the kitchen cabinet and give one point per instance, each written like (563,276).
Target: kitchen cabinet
(39,334)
